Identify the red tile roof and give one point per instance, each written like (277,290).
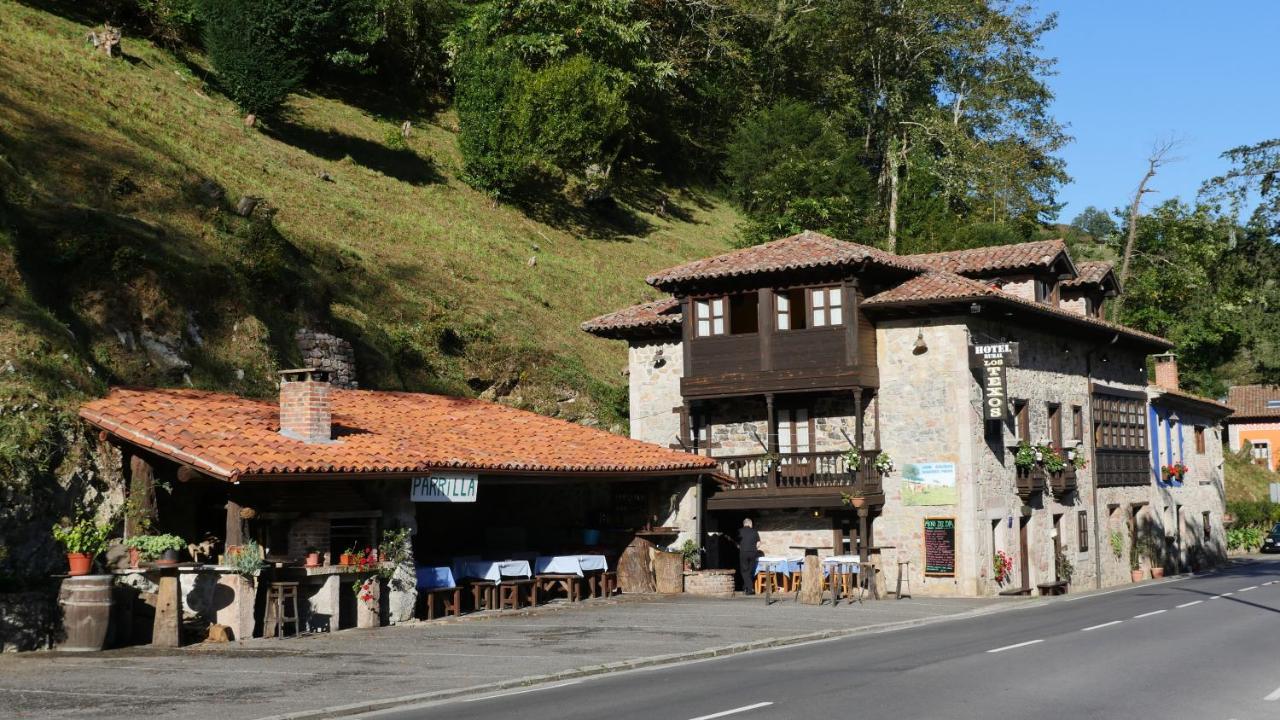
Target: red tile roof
(1250,401)
(653,317)
(804,251)
(942,287)
(999,258)
(375,432)
(1090,272)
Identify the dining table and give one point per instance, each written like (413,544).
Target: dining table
(492,570)
(578,565)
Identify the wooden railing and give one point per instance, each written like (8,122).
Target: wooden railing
(803,471)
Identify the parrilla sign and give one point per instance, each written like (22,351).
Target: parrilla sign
(444,487)
(991,360)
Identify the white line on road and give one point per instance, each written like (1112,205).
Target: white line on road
(1251,587)
(1275,695)
(1269,582)
(1193,602)
(1098,627)
(522,692)
(1226,594)
(1153,612)
(734,711)
(1021,644)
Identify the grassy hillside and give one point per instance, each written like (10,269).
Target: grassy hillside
(111,171)
(1245,480)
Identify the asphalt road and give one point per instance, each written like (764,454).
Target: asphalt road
(1206,648)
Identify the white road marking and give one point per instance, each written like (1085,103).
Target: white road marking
(1251,587)
(1269,582)
(1018,645)
(1226,594)
(1193,602)
(522,692)
(734,711)
(1275,695)
(1097,627)
(1153,612)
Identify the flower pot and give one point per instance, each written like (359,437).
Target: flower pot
(1135,575)
(1157,572)
(79,563)
(134,557)
(858,501)
(347,559)
(313,559)
(168,558)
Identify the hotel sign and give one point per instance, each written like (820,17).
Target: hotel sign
(990,361)
(444,488)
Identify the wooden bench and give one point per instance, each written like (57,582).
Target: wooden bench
(1014,592)
(510,591)
(450,601)
(1053,588)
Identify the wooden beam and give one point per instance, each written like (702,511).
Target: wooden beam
(235,525)
(141,496)
(764,326)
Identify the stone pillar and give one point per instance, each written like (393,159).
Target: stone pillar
(367,611)
(325,605)
(235,596)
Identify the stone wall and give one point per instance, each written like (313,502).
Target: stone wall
(781,529)
(655,368)
(1180,507)
(29,621)
(328,352)
(709,582)
(1074,302)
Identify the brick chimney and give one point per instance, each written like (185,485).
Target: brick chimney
(306,408)
(1167,371)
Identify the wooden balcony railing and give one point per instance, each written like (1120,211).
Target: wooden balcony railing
(813,471)
(1063,482)
(1030,480)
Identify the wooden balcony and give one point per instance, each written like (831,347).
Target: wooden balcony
(1063,483)
(816,479)
(1030,481)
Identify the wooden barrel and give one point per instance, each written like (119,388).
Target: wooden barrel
(86,612)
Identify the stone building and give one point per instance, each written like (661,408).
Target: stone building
(929,413)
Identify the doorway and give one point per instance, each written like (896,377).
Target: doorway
(1024,552)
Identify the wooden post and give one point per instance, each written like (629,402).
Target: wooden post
(764,326)
(811,581)
(859,430)
(141,496)
(167,630)
(235,524)
(771,437)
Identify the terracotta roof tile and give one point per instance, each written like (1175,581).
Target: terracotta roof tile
(375,432)
(1090,272)
(941,287)
(999,258)
(803,251)
(1197,399)
(1250,401)
(653,316)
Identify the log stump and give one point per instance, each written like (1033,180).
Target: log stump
(668,570)
(811,581)
(635,568)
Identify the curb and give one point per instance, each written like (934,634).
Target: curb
(336,711)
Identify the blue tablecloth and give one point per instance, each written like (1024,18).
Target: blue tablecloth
(570,564)
(494,570)
(431,578)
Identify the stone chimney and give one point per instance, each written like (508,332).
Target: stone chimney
(1167,371)
(306,407)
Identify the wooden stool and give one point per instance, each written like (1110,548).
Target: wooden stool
(281,596)
(484,594)
(569,583)
(898,590)
(608,583)
(450,601)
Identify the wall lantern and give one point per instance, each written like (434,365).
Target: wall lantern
(920,347)
(975,308)
(658,359)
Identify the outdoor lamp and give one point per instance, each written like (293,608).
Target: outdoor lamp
(920,347)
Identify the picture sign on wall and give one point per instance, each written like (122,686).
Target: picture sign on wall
(991,360)
(930,483)
(940,546)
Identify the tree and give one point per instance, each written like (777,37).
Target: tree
(261,50)
(792,169)
(1095,223)
(1159,157)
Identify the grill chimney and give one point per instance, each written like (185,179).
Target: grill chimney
(1167,371)
(306,409)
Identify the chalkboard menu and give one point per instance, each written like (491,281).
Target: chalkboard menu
(940,546)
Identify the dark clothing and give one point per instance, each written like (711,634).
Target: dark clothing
(748,553)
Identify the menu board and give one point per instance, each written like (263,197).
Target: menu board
(940,546)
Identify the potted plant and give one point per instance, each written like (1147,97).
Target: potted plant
(1064,566)
(1116,538)
(1025,457)
(161,549)
(853,459)
(83,541)
(313,557)
(884,463)
(692,555)
(1135,562)
(348,556)
(1151,550)
(856,499)
(1002,566)
(1053,461)
(247,561)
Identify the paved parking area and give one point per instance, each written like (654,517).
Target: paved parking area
(259,678)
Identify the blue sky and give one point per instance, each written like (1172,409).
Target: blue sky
(1133,71)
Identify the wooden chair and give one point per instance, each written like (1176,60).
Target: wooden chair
(281,596)
(608,583)
(450,600)
(484,594)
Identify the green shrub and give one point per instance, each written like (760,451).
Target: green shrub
(153,546)
(1244,538)
(1254,513)
(261,49)
(172,22)
(247,561)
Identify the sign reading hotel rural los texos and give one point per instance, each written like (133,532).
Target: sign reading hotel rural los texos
(444,487)
(991,360)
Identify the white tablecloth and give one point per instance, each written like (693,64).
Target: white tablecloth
(494,570)
(847,563)
(570,564)
(779,564)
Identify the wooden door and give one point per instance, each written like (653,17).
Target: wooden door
(1024,553)
(1057,545)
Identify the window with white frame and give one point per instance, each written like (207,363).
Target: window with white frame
(709,315)
(1261,451)
(827,306)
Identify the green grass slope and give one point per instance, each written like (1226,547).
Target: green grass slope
(109,173)
(1245,480)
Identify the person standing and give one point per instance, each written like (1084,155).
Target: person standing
(748,554)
